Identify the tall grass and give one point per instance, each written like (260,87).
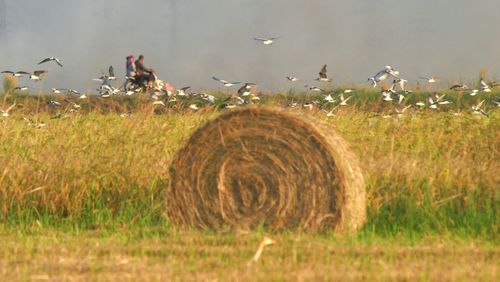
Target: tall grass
(427,172)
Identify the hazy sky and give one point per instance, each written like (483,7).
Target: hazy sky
(189,41)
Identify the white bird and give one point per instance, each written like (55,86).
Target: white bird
(245,89)
(225,82)
(209,98)
(21,73)
(474,92)
(313,88)
(21,88)
(73,104)
(254,97)
(330,113)
(51,59)
(420,104)
(57,91)
(31,122)
(387,94)
(430,79)
(401,112)
(402,83)
(458,87)
(477,109)
(329,99)
(72,91)
(228,106)
(432,104)
(401,97)
(439,98)
(54,103)
(37,75)
(487,87)
(194,107)
(160,103)
(266,40)
(484,86)
(6,113)
(348,91)
(343,101)
(292,79)
(308,106)
(323,75)
(445,102)
(182,92)
(265,242)
(378,77)
(34,78)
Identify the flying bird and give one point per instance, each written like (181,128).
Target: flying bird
(57,90)
(329,99)
(209,98)
(292,79)
(313,88)
(458,87)
(343,101)
(6,113)
(330,113)
(401,112)
(245,89)
(8,72)
(477,109)
(225,82)
(54,103)
(21,73)
(430,79)
(266,40)
(323,75)
(51,59)
(182,92)
(37,75)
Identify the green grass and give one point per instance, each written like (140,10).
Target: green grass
(89,189)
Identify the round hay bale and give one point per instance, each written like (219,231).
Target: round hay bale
(261,166)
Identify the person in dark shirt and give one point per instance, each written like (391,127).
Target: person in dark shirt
(144,75)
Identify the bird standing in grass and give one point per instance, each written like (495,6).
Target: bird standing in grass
(265,242)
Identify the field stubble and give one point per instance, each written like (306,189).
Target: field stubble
(427,173)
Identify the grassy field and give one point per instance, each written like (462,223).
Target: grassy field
(82,197)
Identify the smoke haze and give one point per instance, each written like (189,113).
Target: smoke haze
(188,42)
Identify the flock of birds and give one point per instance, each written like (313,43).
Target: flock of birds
(163,94)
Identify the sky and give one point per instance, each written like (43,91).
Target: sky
(189,41)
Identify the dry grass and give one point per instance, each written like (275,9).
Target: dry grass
(82,199)
(195,256)
(420,166)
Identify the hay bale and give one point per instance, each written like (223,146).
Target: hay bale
(265,166)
